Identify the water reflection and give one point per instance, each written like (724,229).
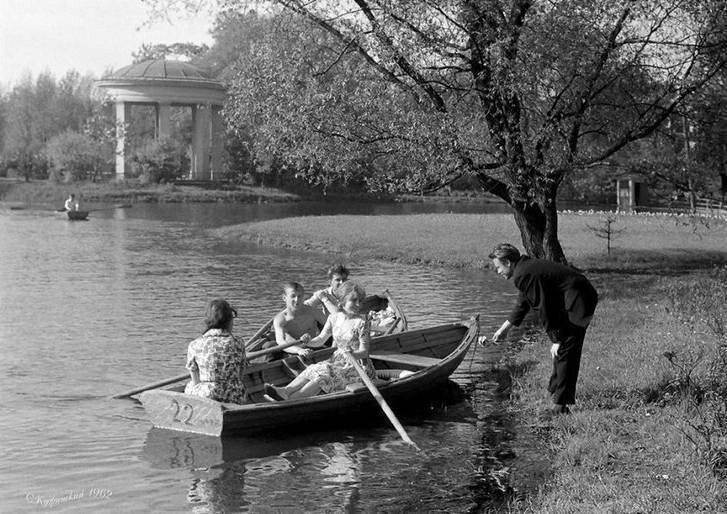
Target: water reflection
(352,468)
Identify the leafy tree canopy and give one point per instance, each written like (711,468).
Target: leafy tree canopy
(519,93)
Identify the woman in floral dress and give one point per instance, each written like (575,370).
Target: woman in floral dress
(216,359)
(350,329)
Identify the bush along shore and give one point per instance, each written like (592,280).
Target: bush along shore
(649,431)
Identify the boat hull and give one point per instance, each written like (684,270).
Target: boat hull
(433,354)
(77,215)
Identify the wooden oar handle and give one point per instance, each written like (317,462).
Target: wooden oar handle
(259,333)
(154,385)
(379,399)
(254,355)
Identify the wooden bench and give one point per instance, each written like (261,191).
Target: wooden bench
(406,359)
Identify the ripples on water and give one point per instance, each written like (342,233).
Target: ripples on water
(89,309)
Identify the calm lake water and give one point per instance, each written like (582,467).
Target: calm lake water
(90,309)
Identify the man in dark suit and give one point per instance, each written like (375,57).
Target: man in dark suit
(565,302)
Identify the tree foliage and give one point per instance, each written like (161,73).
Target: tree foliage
(36,110)
(149,51)
(411,95)
(75,154)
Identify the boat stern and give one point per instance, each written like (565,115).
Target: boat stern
(187,413)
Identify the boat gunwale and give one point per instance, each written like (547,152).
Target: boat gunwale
(420,375)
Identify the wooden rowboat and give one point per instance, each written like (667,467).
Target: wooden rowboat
(431,353)
(77,215)
(386,315)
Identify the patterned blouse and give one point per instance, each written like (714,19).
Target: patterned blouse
(337,372)
(219,357)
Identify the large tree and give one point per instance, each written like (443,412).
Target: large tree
(518,93)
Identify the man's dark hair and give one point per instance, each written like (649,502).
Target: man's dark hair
(338,269)
(505,251)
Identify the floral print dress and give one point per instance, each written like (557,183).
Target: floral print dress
(219,357)
(337,372)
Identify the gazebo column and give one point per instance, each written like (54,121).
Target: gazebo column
(200,142)
(123,115)
(163,111)
(618,195)
(631,195)
(216,159)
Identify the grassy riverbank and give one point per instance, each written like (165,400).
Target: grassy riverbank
(464,240)
(638,441)
(45,192)
(642,437)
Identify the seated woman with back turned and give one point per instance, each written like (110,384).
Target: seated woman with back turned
(216,359)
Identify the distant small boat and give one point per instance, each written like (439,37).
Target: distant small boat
(77,215)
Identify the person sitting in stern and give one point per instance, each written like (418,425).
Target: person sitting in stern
(216,359)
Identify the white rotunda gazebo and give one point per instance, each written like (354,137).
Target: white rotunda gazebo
(165,84)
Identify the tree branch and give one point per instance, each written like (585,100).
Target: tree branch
(401,62)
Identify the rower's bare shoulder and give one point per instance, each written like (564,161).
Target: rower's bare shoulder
(280,319)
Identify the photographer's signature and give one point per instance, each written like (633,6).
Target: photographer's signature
(67,497)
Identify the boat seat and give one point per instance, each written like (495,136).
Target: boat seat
(290,369)
(406,359)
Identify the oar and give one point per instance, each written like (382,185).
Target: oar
(155,385)
(119,206)
(380,399)
(260,332)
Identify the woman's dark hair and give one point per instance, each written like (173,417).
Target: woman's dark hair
(505,251)
(338,269)
(219,314)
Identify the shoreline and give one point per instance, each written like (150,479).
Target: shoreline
(628,431)
(44,192)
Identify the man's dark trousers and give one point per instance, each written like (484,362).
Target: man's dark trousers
(566,364)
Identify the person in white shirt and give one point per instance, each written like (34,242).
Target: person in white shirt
(71,203)
(328,299)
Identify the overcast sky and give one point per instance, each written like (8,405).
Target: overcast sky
(86,35)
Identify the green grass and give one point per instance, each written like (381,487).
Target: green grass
(647,241)
(625,448)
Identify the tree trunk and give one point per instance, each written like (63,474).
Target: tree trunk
(539,230)
(531,222)
(538,226)
(551,244)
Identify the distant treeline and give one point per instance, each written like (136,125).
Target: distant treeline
(306,111)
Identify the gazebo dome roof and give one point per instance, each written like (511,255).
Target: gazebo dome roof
(160,69)
(159,80)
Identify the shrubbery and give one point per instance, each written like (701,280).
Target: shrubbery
(700,305)
(160,160)
(76,156)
